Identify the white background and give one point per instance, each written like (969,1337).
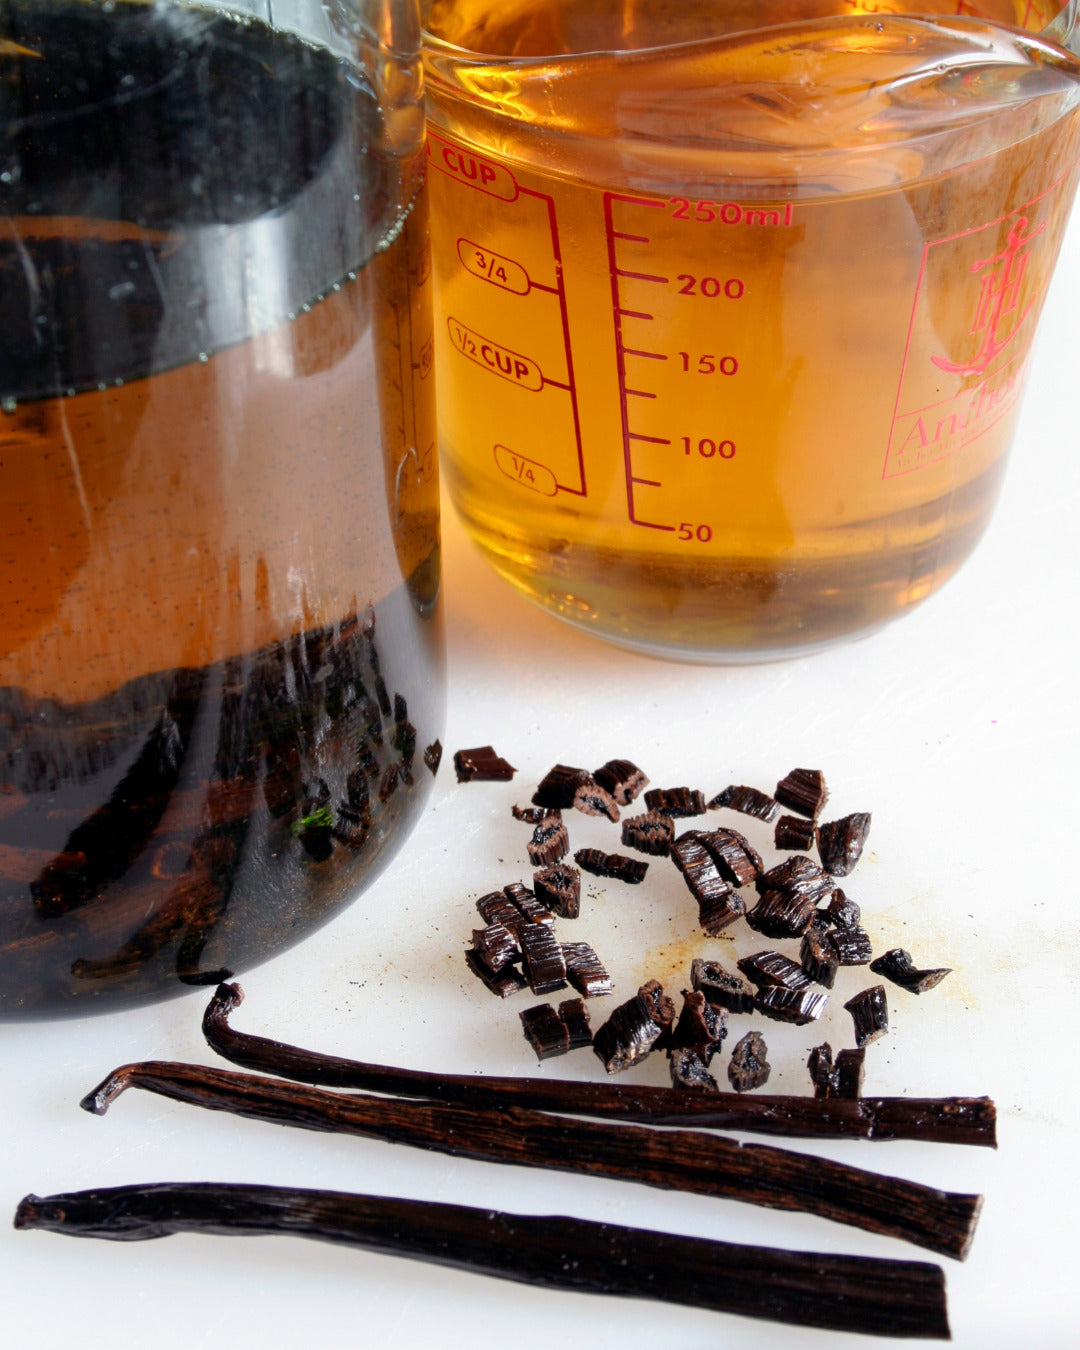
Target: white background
(956,727)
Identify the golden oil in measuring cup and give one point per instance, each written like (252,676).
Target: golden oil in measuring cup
(732,332)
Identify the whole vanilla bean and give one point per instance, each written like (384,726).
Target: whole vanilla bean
(681,1160)
(950,1120)
(840,1293)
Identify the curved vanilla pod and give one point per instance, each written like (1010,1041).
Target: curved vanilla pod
(839,1293)
(680,1160)
(947,1120)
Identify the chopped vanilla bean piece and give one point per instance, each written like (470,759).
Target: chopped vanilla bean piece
(550,842)
(651,833)
(482,764)
(819,955)
(768,968)
(661,1008)
(822,1070)
(797,876)
(503,982)
(870,1012)
(897,965)
(622,779)
(700,1025)
(575,1017)
(841,911)
(739,862)
(749,801)
(720,987)
(544,963)
(689,1071)
(532,911)
(804,791)
(533,815)
(791,1005)
(840,842)
(628,1036)
(545,1031)
(680,801)
(718,904)
(585,971)
(853,946)
(792,832)
(749,1065)
(849,1072)
(496,945)
(781,915)
(496,908)
(593,800)
(559,888)
(558,786)
(616,865)
(716,911)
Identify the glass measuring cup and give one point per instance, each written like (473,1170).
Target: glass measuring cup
(220,643)
(734,302)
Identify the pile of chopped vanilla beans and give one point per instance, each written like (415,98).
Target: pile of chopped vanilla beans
(608,1129)
(796,900)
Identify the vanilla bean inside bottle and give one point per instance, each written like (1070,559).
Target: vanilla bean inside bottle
(220,643)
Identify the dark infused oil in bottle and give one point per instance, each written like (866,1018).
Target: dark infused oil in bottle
(221,676)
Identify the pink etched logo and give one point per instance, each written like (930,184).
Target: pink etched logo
(979,295)
(999,299)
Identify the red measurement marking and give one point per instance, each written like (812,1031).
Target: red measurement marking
(642,276)
(472,170)
(619,313)
(571,386)
(459,163)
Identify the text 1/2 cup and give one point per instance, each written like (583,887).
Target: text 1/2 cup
(734,303)
(220,652)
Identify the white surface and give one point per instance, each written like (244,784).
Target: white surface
(956,727)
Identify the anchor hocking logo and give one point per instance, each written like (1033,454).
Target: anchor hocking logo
(999,299)
(947,403)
